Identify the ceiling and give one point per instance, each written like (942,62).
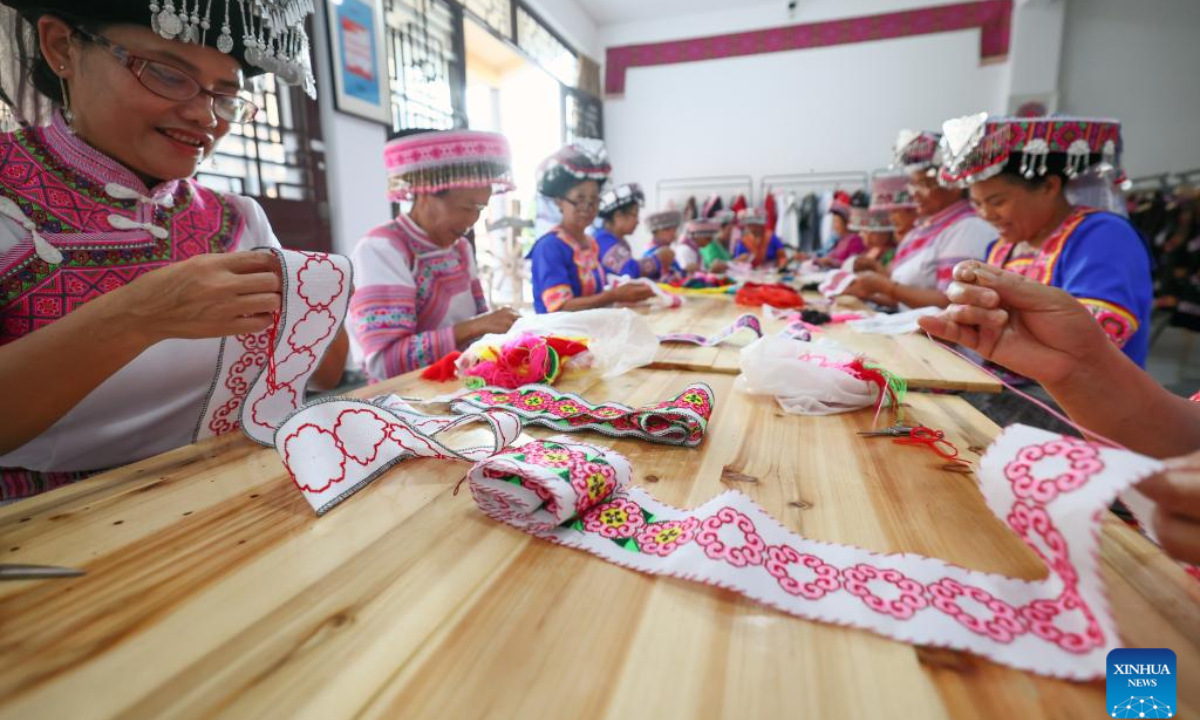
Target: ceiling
(608,12)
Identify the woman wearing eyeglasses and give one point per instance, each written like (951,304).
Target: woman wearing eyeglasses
(567,272)
(121,275)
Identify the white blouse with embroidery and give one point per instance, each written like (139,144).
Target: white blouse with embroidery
(154,403)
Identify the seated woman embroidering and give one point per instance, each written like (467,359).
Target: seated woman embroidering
(1018,171)
(947,231)
(417,291)
(126,275)
(567,274)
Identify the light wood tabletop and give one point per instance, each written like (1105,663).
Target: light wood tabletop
(924,363)
(213,591)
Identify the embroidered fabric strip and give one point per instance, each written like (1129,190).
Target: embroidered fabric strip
(681,420)
(1050,490)
(745,322)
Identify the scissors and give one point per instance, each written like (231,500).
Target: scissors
(36,572)
(935,440)
(895,431)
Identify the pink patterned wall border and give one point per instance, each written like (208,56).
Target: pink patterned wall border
(992,17)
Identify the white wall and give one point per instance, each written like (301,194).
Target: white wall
(354,170)
(824,109)
(1139,62)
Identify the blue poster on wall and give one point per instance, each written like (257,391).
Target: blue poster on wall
(359,68)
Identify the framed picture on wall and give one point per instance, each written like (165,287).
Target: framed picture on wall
(359,58)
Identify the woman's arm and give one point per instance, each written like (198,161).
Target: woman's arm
(869,285)
(46,373)
(629,293)
(333,365)
(1045,334)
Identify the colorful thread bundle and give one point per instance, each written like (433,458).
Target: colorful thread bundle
(775,295)
(527,360)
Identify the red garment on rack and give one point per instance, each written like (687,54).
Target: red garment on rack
(772,212)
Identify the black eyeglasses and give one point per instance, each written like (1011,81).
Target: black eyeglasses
(583,205)
(172,83)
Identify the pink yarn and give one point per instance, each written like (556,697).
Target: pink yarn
(1084,431)
(845,317)
(524,361)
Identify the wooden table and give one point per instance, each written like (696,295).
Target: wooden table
(213,591)
(925,364)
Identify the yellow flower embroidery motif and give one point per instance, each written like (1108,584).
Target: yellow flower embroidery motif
(614,517)
(557,456)
(668,535)
(597,485)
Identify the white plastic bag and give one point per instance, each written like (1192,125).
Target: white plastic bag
(619,340)
(803,377)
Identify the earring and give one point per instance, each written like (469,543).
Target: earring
(66,97)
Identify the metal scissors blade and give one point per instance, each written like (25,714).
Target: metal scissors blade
(894,431)
(36,572)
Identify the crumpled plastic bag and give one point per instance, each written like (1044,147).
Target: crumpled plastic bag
(805,378)
(619,340)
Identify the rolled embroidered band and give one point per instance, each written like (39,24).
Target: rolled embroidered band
(1050,490)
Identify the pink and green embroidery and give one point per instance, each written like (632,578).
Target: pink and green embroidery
(682,420)
(70,204)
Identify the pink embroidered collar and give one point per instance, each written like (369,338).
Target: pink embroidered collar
(85,159)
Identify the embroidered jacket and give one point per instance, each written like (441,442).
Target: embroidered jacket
(564,269)
(99,228)
(1099,258)
(409,294)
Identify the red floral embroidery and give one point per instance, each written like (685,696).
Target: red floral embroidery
(857,580)
(825,576)
(592,482)
(325,461)
(616,519)
(664,538)
(1029,521)
(1041,615)
(1002,626)
(360,434)
(1083,462)
(750,552)
(546,455)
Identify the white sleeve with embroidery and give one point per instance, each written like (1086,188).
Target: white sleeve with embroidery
(686,257)
(258,232)
(967,239)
